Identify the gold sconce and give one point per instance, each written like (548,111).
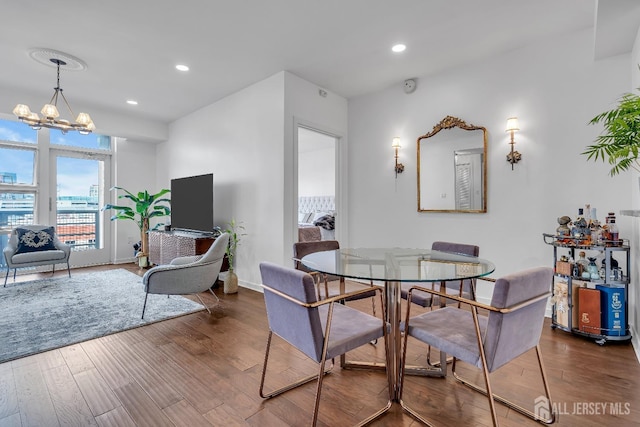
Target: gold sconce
(512,126)
(396,145)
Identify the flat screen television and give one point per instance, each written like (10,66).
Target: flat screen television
(192,203)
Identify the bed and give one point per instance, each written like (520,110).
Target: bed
(316,218)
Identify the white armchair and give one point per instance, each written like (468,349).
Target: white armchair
(187,275)
(32,246)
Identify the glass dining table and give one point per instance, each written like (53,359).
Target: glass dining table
(390,267)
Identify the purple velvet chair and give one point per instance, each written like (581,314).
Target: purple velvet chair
(321,329)
(466,288)
(513,327)
(300,249)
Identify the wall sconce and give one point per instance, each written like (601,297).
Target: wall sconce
(512,126)
(396,146)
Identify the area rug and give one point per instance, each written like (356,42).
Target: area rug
(50,313)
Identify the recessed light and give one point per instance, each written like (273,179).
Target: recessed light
(181,67)
(132,102)
(398,48)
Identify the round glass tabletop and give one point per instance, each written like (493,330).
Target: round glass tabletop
(398,264)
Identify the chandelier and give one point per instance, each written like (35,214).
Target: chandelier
(50,115)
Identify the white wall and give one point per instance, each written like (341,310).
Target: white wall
(634,290)
(134,169)
(247,141)
(316,176)
(304,105)
(555,88)
(240,140)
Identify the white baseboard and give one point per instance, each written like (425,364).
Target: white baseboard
(635,341)
(253,286)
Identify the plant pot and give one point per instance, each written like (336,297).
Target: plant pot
(143,261)
(231,283)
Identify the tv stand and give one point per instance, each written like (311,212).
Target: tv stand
(192,234)
(167,245)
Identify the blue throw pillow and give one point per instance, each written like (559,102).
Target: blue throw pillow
(35,240)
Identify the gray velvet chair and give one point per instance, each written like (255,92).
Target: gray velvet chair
(187,275)
(321,329)
(513,327)
(33,246)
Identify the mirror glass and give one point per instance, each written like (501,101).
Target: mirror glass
(452,168)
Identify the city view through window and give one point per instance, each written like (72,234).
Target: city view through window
(75,181)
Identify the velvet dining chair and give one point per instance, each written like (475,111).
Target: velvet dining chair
(321,329)
(464,288)
(512,327)
(328,285)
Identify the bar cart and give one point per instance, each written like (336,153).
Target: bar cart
(610,285)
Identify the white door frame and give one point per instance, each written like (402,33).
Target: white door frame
(93,256)
(340,178)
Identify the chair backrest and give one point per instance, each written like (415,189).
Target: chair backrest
(457,248)
(511,334)
(298,325)
(216,251)
(300,249)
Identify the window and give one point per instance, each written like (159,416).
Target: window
(47,177)
(74,139)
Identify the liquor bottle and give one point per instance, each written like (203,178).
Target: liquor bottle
(587,214)
(596,229)
(576,230)
(582,263)
(613,233)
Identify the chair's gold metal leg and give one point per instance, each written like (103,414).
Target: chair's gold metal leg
(287,387)
(553,416)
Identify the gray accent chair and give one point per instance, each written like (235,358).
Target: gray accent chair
(187,275)
(321,329)
(36,258)
(512,327)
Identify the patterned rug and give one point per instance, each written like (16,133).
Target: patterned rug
(50,313)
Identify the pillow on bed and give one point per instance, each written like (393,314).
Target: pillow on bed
(328,222)
(317,215)
(302,216)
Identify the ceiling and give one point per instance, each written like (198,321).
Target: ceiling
(132,47)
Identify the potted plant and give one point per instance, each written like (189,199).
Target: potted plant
(146,206)
(620,142)
(236,231)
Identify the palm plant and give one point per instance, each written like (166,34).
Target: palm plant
(620,141)
(236,231)
(146,206)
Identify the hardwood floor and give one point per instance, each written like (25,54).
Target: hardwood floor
(204,370)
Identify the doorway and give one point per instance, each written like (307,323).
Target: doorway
(317,178)
(78,189)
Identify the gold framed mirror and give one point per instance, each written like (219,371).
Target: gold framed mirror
(452,168)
